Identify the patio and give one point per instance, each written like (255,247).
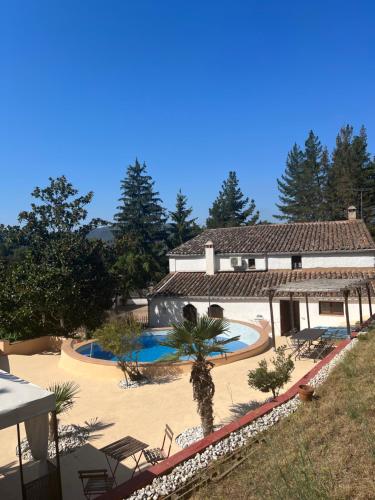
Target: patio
(141,413)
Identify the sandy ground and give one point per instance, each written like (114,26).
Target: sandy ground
(141,413)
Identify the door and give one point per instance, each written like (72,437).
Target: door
(285,317)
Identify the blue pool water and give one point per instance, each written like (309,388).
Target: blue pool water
(151,350)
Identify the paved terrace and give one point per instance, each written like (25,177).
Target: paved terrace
(140,412)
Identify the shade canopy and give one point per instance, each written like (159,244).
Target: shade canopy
(320,285)
(20,400)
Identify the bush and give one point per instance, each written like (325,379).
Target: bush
(272,380)
(121,337)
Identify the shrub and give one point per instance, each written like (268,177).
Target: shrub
(267,380)
(121,337)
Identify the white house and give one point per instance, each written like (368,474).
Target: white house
(226,272)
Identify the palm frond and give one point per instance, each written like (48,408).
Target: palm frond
(65,393)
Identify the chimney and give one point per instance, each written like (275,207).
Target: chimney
(210,257)
(352,213)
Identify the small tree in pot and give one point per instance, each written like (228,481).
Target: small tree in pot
(266,380)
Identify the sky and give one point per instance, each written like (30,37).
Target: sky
(193,88)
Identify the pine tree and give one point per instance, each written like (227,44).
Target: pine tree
(182,227)
(302,186)
(350,176)
(140,213)
(140,231)
(231,208)
(290,187)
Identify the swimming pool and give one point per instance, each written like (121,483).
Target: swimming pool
(150,349)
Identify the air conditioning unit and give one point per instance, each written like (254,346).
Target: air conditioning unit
(237,262)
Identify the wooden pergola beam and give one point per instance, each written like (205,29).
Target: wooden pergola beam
(291,310)
(346,295)
(307,310)
(271,295)
(369,298)
(359,293)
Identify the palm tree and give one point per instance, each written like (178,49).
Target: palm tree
(65,393)
(198,341)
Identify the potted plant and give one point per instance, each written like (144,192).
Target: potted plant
(305,392)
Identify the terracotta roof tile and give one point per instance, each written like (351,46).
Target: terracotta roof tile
(283,238)
(247,284)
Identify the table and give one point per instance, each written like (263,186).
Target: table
(122,449)
(306,335)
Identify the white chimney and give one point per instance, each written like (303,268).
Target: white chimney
(352,213)
(210,257)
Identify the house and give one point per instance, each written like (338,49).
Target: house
(227,273)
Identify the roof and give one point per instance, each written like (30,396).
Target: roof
(330,236)
(321,285)
(21,400)
(251,283)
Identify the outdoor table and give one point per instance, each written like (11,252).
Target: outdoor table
(306,335)
(122,449)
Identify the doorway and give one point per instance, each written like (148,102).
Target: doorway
(285,316)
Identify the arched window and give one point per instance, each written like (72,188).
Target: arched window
(189,313)
(215,311)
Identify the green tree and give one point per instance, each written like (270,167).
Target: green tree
(350,179)
(302,187)
(267,380)
(231,208)
(198,341)
(140,223)
(62,281)
(182,227)
(121,337)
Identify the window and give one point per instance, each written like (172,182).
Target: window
(251,263)
(215,311)
(296,262)
(331,308)
(189,313)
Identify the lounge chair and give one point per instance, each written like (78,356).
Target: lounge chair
(155,455)
(95,482)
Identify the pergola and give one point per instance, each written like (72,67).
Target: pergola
(321,286)
(21,401)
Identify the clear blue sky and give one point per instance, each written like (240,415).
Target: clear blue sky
(194,88)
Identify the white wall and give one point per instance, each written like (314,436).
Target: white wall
(224,262)
(197,264)
(164,311)
(335,260)
(276,261)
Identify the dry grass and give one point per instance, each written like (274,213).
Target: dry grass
(326,450)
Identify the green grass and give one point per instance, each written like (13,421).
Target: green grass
(326,450)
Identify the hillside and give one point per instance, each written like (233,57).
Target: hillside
(326,450)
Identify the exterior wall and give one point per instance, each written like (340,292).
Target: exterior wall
(197,264)
(343,260)
(224,263)
(280,262)
(32,346)
(276,261)
(164,311)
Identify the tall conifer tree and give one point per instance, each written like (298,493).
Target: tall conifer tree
(302,186)
(231,208)
(182,226)
(140,231)
(350,176)
(290,187)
